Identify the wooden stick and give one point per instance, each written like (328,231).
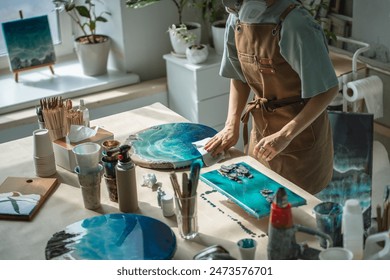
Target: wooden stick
(385,218)
(388,217)
(175,184)
(379,217)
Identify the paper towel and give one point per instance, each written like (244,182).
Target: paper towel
(371,90)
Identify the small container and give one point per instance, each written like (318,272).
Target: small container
(167,205)
(247,248)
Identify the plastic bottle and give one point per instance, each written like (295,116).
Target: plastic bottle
(85,111)
(126,182)
(352,228)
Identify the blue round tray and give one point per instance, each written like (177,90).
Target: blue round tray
(116,236)
(168,145)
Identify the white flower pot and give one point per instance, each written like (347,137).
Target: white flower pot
(197,53)
(179,45)
(93,57)
(218,35)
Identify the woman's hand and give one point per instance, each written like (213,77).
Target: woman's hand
(270,146)
(223,140)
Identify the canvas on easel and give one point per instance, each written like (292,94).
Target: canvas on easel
(29,44)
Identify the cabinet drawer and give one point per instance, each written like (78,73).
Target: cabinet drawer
(210,84)
(213,111)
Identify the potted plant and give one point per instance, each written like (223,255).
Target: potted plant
(197,53)
(182,34)
(92,49)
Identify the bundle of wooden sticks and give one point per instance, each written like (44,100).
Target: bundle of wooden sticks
(59,115)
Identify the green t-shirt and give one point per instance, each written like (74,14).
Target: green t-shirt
(303,45)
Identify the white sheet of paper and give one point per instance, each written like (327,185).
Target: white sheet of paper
(208,159)
(78,133)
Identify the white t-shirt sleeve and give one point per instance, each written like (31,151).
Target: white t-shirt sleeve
(303,45)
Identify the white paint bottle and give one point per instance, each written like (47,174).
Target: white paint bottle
(352,228)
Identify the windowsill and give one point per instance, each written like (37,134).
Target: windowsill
(68,82)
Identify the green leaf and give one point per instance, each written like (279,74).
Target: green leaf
(102,19)
(69,7)
(83,11)
(135,4)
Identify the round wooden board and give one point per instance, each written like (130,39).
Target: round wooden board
(168,146)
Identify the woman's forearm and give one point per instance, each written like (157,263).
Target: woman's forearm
(314,107)
(239,93)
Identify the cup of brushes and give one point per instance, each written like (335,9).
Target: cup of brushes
(186,200)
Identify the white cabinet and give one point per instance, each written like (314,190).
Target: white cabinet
(197,91)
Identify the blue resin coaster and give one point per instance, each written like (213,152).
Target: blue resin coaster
(168,145)
(250,189)
(116,236)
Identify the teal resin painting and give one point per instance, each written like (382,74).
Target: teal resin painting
(29,43)
(248,188)
(115,236)
(353,161)
(168,145)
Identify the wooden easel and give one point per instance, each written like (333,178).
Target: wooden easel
(16,72)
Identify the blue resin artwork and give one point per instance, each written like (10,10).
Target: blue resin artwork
(250,189)
(117,236)
(29,43)
(168,145)
(15,203)
(352,163)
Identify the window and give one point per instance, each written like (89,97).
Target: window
(59,25)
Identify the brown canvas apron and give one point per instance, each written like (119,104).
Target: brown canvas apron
(308,160)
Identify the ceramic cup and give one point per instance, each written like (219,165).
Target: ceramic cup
(247,248)
(328,219)
(90,187)
(336,253)
(87,157)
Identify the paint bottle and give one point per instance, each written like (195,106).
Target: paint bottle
(126,181)
(352,228)
(281,232)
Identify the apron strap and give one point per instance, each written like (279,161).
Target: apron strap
(282,18)
(255,103)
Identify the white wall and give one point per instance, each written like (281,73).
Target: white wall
(140,36)
(371,21)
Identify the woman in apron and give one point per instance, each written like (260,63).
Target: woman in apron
(275,49)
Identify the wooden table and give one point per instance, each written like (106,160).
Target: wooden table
(220,221)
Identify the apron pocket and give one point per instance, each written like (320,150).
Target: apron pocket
(250,68)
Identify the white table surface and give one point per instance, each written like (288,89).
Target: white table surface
(223,223)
